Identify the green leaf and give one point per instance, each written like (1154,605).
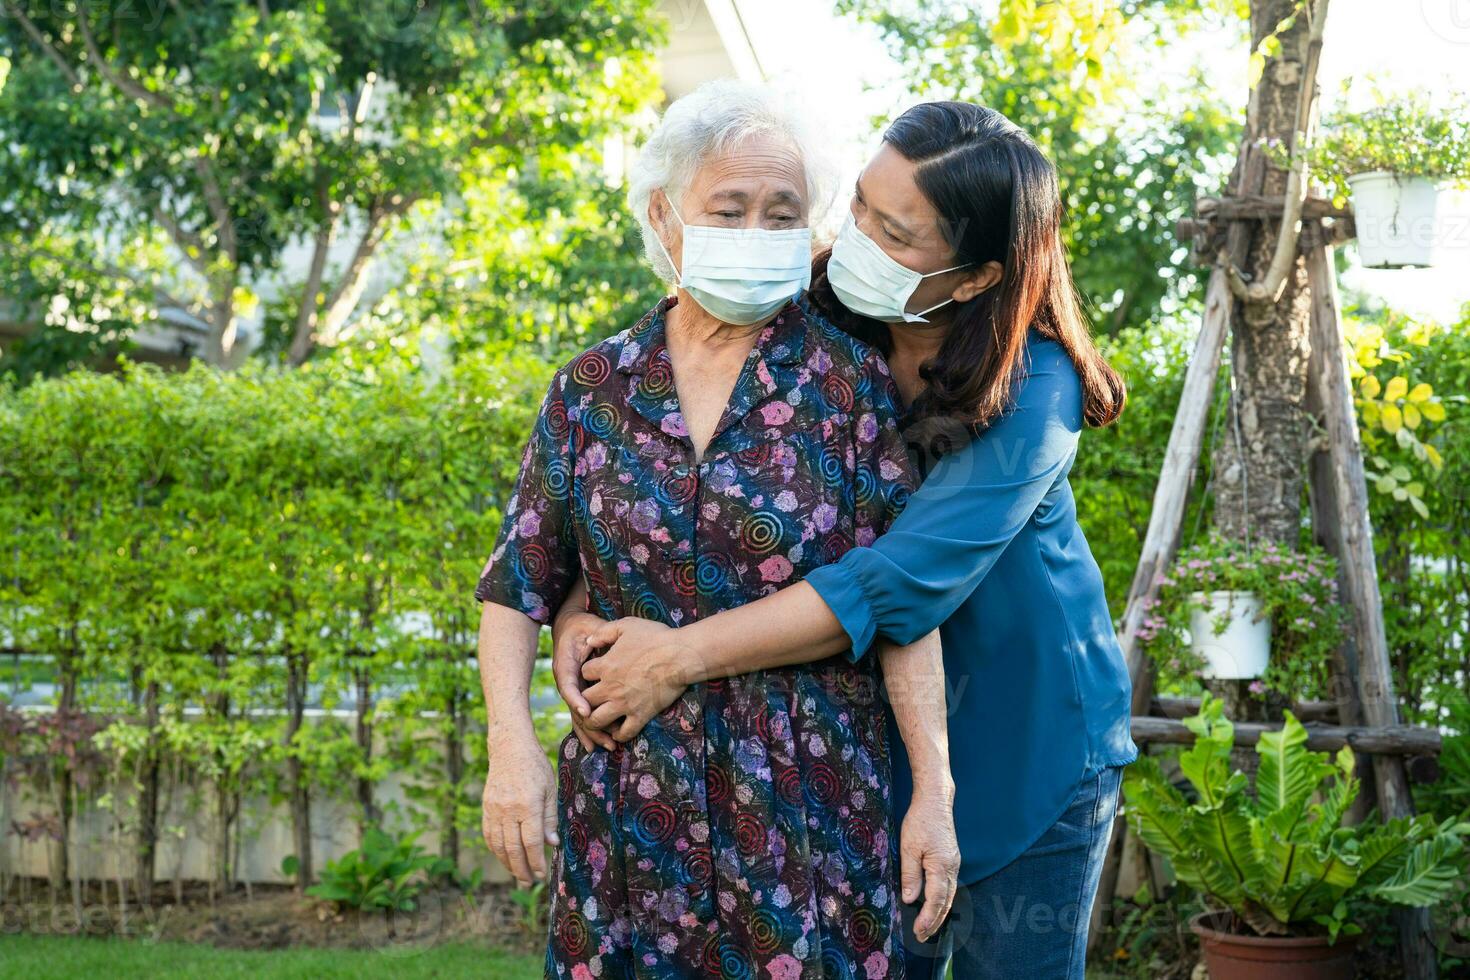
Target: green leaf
(1429,872)
(1288,773)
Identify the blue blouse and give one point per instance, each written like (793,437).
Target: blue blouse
(989,551)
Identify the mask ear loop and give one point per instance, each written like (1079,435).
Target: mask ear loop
(679,218)
(919,316)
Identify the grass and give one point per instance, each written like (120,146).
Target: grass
(64,958)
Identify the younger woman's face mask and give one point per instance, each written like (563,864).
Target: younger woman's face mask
(871,283)
(742,275)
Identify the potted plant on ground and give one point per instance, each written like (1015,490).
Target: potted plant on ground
(1227,611)
(1278,864)
(1406,165)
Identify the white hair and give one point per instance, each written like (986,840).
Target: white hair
(706,124)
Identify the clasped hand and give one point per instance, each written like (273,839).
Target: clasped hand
(642,669)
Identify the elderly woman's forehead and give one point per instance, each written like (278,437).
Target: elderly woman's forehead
(759,160)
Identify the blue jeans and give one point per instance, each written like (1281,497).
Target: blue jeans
(1030,918)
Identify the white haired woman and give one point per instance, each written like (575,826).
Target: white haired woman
(717,451)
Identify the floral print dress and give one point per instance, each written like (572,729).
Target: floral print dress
(747,831)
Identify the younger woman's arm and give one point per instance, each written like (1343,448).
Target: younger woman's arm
(913,578)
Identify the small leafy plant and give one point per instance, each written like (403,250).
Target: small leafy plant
(385,873)
(532,904)
(1404,136)
(1280,858)
(1298,593)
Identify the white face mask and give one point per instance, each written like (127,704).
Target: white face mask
(742,275)
(869,282)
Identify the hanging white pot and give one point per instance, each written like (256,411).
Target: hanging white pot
(1406,221)
(1243,648)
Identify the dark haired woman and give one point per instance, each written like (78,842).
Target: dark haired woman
(952,263)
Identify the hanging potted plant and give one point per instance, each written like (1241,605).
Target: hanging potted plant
(1282,872)
(1226,611)
(1405,165)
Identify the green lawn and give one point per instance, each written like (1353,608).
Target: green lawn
(48,957)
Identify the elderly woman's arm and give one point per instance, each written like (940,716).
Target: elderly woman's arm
(929,853)
(518,815)
(531,569)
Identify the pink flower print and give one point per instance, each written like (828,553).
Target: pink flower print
(784,967)
(889,470)
(784,455)
(775,569)
(868,431)
(864,536)
(597,855)
(529,524)
(581,972)
(876,966)
(763,374)
(777,413)
(786,501)
(673,424)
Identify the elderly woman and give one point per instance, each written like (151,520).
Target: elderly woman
(714,453)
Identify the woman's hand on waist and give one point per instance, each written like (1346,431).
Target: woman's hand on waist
(569,651)
(645,668)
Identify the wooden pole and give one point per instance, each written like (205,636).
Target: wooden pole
(1161,541)
(1186,441)
(1398,740)
(1305,711)
(1359,577)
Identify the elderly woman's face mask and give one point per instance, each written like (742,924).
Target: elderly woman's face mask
(742,275)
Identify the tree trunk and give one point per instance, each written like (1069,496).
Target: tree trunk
(454,770)
(367,806)
(295,770)
(1260,462)
(148,802)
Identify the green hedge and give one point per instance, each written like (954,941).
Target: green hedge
(231,542)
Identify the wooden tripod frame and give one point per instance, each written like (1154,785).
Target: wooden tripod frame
(1362,675)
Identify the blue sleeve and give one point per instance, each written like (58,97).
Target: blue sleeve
(957,524)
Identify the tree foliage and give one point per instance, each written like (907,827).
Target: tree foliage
(168,157)
(1131,154)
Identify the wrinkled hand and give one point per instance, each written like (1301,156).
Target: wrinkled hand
(929,858)
(644,670)
(518,809)
(569,651)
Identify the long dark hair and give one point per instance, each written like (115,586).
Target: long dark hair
(997,195)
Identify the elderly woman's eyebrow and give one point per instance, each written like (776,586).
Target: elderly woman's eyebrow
(734,196)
